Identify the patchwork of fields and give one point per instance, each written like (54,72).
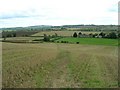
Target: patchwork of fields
(59,65)
(62,33)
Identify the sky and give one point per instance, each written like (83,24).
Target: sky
(21,13)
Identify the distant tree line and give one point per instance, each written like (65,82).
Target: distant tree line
(111,35)
(19,33)
(8,35)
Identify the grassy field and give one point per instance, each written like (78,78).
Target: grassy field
(91,41)
(62,33)
(59,65)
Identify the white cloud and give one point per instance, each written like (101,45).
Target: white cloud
(57,12)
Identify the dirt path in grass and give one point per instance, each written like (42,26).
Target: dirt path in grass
(60,73)
(59,76)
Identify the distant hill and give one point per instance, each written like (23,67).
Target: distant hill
(48,27)
(38,27)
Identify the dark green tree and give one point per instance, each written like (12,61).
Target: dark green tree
(75,34)
(118,35)
(4,37)
(9,35)
(94,35)
(79,34)
(46,38)
(102,34)
(14,34)
(112,35)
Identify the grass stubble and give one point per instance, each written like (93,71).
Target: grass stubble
(54,65)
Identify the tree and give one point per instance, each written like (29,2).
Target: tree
(46,38)
(79,34)
(4,37)
(91,34)
(14,34)
(94,35)
(112,35)
(9,35)
(102,34)
(56,35)
(118,35)
(75,34)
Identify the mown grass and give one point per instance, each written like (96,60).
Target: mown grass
(91,41)
(57,65)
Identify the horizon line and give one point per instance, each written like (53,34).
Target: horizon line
(55,25)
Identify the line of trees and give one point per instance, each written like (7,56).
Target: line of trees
(9,35)
(48,37)
(111,35)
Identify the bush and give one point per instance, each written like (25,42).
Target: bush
(77,42)
(52,40)
(94,35)
(62,41)
(37,40)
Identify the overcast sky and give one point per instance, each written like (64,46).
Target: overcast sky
(17,13)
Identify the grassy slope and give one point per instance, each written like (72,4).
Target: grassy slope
(59,65)
(92,41)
